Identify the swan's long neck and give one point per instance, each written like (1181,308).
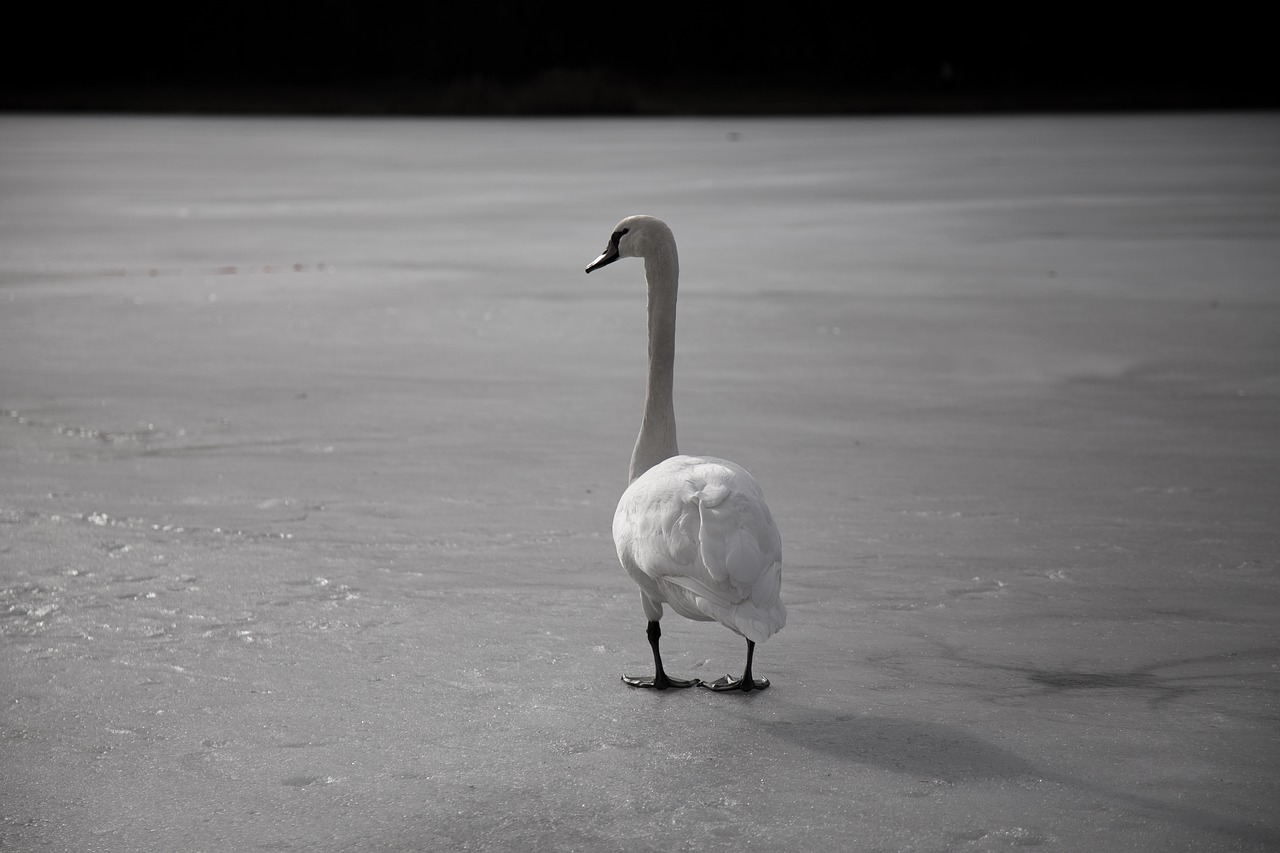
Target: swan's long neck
(657,439)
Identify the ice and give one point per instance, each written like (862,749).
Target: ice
(314,430)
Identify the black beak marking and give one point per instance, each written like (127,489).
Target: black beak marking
(610,253)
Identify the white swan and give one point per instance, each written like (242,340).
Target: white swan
(693,531)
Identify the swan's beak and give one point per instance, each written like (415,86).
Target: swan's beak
(608,256)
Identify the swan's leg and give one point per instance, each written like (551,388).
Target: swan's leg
(660,680)
(745,684)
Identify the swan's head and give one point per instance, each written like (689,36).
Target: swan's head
(635,237)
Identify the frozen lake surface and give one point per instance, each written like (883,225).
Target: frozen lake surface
(311,433)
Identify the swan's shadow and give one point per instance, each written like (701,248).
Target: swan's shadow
(922,750)
(935,752)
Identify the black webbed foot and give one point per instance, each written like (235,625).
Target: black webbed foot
(746,683)
(728,682)
(661,681)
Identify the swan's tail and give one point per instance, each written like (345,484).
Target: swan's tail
(758,617)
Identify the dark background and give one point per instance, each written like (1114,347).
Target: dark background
(631,59)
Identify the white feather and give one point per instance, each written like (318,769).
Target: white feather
(695,533)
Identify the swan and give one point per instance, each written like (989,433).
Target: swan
(693,532)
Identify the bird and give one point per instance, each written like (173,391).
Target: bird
(694,532)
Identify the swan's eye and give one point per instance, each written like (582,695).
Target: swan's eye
(617,237)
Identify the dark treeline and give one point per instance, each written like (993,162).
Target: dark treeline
(626,59)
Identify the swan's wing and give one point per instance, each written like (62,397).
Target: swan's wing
(656,525)
(738,540)
(697,532)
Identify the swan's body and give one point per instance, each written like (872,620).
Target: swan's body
(693,532)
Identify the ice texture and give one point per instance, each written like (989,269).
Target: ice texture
(311,433)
